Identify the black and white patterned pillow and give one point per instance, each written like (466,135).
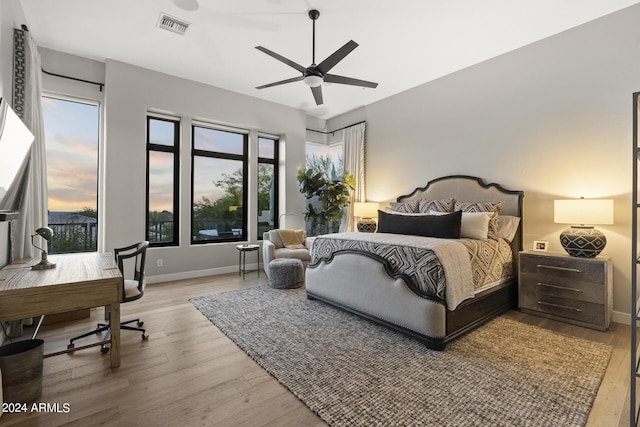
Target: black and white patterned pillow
(484,207)
(405,207)
(442,205)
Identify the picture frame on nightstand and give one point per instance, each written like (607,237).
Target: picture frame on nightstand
(540,245)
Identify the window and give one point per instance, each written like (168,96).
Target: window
(325,158)
(163,142)
(219,185)
(328,159)
(267,184)
(72,134)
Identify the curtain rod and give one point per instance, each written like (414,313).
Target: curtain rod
(336,130)
(101,85)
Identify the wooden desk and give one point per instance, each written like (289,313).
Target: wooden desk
(79,281)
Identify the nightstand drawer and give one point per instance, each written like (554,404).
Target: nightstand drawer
(583,311)
(542,286)
(561,271)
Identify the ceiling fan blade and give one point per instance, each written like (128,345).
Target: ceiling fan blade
(336,57)
(282,82)
(282,59)
(332,78)
(317,94)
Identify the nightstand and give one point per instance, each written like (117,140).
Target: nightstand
(566,288)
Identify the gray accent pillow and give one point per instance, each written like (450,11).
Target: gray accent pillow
(442,205)
(405,207)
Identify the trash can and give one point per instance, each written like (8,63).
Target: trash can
(21,367)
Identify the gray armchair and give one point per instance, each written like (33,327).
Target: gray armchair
(273,247)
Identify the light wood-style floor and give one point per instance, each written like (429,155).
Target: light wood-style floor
(189,374)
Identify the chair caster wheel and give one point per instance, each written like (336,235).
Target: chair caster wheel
(104,350)
(140,324)
(145,337)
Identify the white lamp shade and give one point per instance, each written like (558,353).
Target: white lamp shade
(583,211)
(365,209)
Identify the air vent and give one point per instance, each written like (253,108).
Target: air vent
(173,24)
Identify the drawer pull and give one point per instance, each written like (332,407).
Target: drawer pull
(553,267)
(566,307)
(564,288)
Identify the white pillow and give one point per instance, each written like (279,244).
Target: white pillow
(508,226)
(475,225)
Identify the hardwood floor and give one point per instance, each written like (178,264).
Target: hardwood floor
(188,373)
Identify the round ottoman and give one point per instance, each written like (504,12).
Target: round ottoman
(286,273)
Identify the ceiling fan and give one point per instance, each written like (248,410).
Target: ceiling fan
(314,75)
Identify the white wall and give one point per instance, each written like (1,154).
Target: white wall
(553,119)
(129,93)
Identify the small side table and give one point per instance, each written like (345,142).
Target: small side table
(242,258)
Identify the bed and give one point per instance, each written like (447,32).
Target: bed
(393,279)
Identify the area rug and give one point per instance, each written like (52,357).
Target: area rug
(352,372)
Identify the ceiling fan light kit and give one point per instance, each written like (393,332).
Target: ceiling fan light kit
(313,81)
(314,75)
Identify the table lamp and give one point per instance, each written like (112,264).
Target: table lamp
(366,211)
(582,239)
(46,233)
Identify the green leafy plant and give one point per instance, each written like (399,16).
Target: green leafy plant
(331,196)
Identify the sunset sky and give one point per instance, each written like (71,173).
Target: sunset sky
(71,138)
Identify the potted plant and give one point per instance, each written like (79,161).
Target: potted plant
(326,199)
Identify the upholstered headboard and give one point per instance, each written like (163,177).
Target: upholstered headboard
(471,189)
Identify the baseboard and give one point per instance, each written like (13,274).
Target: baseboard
(197,273)
(620,317)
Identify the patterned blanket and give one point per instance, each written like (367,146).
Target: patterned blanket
(449,270)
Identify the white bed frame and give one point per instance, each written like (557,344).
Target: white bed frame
(365,285)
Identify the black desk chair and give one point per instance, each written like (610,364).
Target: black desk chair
(133,289)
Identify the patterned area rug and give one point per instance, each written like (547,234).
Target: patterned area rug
(352,372)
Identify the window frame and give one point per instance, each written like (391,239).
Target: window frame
(244,158)
(175,150)
(276,184)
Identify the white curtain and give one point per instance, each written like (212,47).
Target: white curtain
(354,140)
(28,194)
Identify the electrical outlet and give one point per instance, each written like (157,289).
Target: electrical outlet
(160,262)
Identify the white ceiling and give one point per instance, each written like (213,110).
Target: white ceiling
(403,43)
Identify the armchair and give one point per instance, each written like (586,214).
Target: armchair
(273,247)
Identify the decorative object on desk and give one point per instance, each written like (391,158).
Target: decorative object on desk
(366,211)
(46,233)
(540,245)
(582,239)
